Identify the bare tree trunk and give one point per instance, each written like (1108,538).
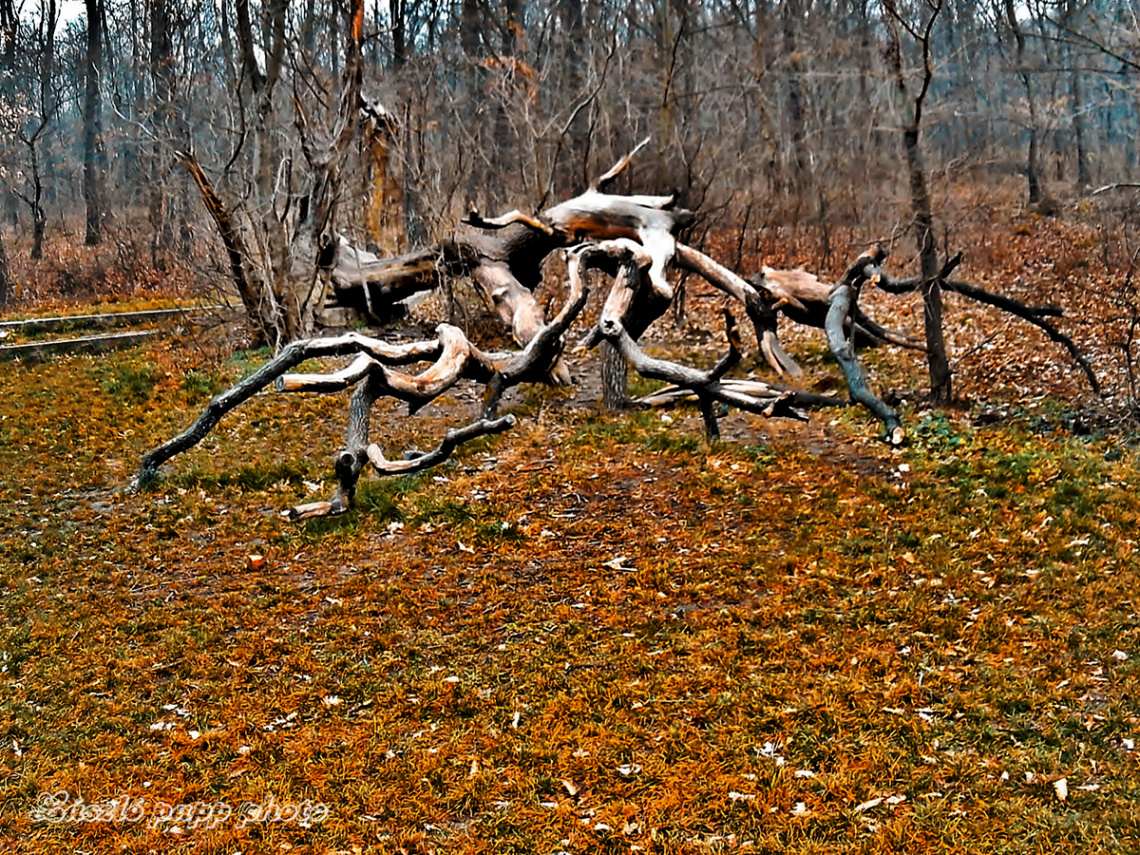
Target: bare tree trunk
(397,16)
(47,105)
(667,45)
(1084,179)
(161,61)
(93,191)
(5,280)
(798,161)
(39,217)
(576,171)
(383,207)
(334,38)
(615,378)
(941,390)
(1032,168)
(9,30)
(227,45)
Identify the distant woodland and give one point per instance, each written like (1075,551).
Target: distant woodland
(759,112)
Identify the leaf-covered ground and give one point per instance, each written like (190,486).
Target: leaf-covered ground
(593,633)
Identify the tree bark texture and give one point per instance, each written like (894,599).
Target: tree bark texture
(5,278)
(844,297)
(938,364)
(93,190)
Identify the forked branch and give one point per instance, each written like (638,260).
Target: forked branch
(706,385)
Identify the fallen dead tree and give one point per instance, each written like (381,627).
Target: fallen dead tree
(633,239)
(505,261)
(375,373)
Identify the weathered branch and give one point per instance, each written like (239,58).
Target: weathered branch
(536,360)
(474,218)
(885,282)
(706,385)
(457,358)
(291,356)
(1006,304)
(1033,314)
(629,258)
(760,310)
(349,461)
(843,298)
(231,239)
(1122,185)
(669,395)
(452,439)
(614,171)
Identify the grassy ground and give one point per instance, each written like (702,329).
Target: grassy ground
(591,634)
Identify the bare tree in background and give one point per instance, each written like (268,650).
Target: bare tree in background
(9,28)
(47,104)
(1077,88)
(162,94)
(280,236)
(93,142)
(1032,159)
(911,108)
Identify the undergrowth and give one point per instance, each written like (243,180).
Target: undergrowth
(594,633)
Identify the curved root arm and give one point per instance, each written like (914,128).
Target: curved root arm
(457,359)
(842,297)
(706,385)
(238,394)
(1033,314)
(451,347)
(631,258)
(453,438)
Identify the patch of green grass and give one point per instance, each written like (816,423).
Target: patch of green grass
(673,441)
(500,530)
(384,499)
(620,428)
(200,386)
(251,477)
(443,510)
(639,387)
(248,361)
(129,382)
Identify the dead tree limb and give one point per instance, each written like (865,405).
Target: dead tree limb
(844,297)
(761,309)
(457,359)
(374,375)
(669,395)
(813,298)
(536,359)
(1035,315)
(451,440)
(706,385)
(291,356)
(505,262)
